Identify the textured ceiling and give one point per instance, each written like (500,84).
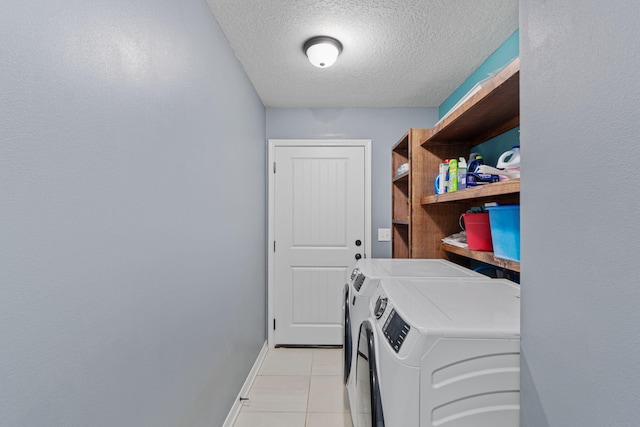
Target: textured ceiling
(397,53)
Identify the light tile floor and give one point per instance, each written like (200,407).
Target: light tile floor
(297,388)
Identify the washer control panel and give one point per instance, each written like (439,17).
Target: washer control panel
(395,330)
(359,280)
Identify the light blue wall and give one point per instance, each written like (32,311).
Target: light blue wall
(384,126)
(132,215)
(580,233)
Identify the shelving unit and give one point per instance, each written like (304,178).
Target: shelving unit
(406,213)
(492,110)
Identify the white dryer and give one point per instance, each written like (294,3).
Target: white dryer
(357,296)
(448,352)
(366,406)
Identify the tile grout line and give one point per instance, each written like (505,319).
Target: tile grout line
(306,414)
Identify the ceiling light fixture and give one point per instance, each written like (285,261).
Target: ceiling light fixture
(322,51)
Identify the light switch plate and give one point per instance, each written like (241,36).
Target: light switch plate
(384,234)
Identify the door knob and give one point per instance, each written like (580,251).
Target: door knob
(358,256)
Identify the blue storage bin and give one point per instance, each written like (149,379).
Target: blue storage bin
(505,231)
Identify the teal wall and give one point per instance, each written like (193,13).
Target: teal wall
(508,51)
(491,149)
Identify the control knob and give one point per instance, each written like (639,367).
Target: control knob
(381,305)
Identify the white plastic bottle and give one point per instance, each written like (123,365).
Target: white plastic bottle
(444,175)
(462,173)
(509,159)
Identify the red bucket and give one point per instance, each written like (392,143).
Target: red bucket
(478,231)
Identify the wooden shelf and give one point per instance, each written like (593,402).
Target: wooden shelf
(401,222)
(486,257)
(402,146)
(479,192)
(492,110)
(402,177)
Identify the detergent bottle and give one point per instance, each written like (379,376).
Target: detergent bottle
(474,163)
(509,159)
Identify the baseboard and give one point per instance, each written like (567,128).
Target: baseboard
(244,391)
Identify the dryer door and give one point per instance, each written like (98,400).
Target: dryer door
(347,346)
(369,403)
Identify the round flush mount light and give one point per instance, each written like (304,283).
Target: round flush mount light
(322,51)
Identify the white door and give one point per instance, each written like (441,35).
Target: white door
(318,233)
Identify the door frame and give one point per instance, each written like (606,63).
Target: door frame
(273,144)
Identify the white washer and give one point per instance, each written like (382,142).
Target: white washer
(448,352)
(357,295)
